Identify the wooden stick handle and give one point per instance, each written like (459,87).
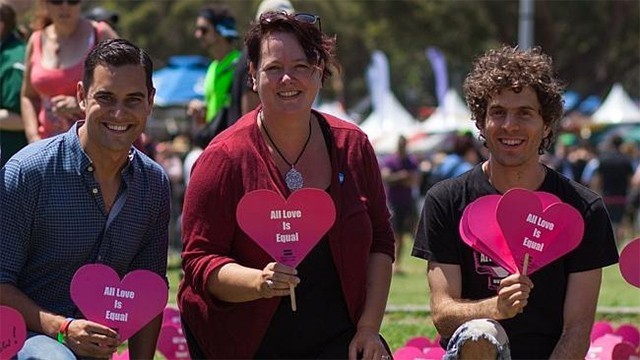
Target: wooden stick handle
(292,295)
(525,265)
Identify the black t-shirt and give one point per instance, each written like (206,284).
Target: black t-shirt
(615,169)
(321,327)
(534,333)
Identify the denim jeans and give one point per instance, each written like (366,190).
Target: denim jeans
(39,346)
(487,329)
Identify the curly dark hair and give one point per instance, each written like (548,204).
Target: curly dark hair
(510,67)
(318,47)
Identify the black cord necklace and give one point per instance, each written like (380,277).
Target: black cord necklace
(293,178)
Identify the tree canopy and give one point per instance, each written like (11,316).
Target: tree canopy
(594,44)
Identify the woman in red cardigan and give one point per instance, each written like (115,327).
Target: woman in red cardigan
(234,299)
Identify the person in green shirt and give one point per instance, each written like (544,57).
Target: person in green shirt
(12,50)
(216,30)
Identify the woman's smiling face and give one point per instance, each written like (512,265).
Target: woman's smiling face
(285,80)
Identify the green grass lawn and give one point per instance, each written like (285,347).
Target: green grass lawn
(619,302)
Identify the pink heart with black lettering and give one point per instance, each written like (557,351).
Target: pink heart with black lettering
(171,342)
(286,229)
(545,234)
(13,332)
(125,306)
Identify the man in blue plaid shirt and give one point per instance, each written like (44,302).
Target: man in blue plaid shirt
(85,196)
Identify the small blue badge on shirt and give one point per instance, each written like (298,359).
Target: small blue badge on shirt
(341,177)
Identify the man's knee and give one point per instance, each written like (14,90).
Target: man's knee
(479,339)
(39,346)
(478,349)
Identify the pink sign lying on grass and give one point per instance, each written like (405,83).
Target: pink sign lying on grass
(521,223)
(172,343)
(125,306)
(286,229)
(171,315)
(630,263)
(612,347)
(13,332)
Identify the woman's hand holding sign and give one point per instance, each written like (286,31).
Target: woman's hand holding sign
(277,279)
(87,338)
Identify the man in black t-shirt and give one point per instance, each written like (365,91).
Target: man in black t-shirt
(612,179)
(476,304)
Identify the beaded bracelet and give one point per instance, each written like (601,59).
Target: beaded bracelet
(64,328)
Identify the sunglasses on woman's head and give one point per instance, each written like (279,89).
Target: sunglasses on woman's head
(59,2)
(306,18)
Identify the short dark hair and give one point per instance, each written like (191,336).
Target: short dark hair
(221,19)
(512,68)
(317,46)
(8,17)
(117,52)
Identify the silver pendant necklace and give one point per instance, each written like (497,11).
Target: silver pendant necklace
(293,178)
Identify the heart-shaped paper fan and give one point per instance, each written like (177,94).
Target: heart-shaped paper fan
(482,225)
(480,229)
(544,234)
(125,306)
(286,229)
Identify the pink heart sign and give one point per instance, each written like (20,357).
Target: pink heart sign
(172,343)
(481,225)
(629,264)
(171,315)
(13,332)
(286,229)
(611,347)
(545,234)
(125,306)
(480,230)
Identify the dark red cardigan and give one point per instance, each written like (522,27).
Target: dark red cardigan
(237,162)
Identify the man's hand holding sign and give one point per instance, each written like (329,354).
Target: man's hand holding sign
(522,231)
(287,230)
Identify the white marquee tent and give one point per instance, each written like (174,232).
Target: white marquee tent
(451,115)
(389,119)
(334,108)
(617,108)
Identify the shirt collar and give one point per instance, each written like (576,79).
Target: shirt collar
(80,159)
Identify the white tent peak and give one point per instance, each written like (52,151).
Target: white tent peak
(334,108)
(451,115)
(617,108)
(384,125)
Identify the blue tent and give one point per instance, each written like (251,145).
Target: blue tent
(181,80)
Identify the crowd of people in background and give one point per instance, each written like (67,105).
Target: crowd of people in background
(204,171)
(228,95)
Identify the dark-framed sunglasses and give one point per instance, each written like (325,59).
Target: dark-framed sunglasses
(307,18)
(59,2)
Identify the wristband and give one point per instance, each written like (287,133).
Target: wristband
(64,328)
